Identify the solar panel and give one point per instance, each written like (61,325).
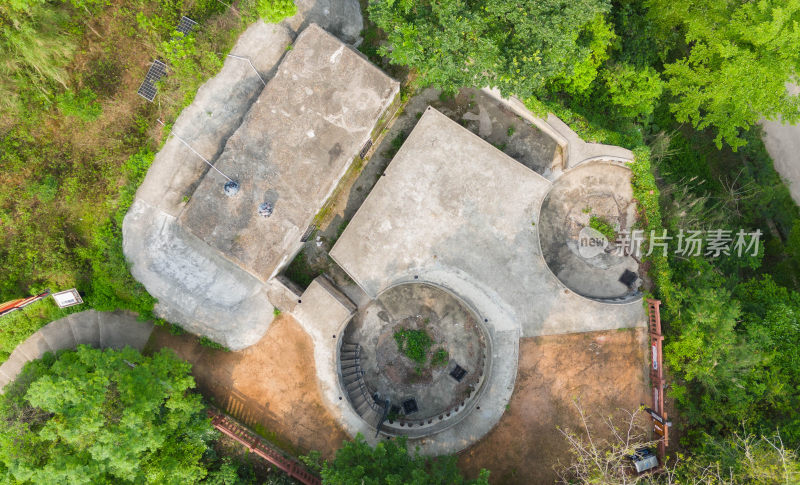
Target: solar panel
(186,25)
(148,88)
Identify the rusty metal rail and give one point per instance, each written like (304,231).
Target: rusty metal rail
(255,444)
(659,415)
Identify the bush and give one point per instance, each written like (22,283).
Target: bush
(103,416)
(274,11)
(81,105)
(602,226)
(414,344)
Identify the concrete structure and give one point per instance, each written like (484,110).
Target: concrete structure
(579,194)
(209,259)
(97,329)
(783,144)
(454,212)
(292,148)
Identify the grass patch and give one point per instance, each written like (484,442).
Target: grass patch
(207,342)
(414,344)
(300,271)
(440,358)
(602,226)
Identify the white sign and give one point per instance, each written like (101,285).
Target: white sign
(67,298)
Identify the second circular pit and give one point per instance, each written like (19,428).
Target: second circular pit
(423,350)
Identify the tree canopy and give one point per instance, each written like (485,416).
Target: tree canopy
(389,463)
(741,57)
(103,416)
(515,46)
(725,64)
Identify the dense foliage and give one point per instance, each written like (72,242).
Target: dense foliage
(724,64)
(388,463)
(103,416)
(76,140)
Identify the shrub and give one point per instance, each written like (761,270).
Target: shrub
(414,344)
(81,105)
(602,226)
(274,11)
(440,358)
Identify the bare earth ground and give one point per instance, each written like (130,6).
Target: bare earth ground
(606,370)
(270,386)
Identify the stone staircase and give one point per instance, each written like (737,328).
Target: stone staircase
(358,392)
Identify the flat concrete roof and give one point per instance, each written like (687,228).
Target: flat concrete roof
(455,211)
(295,143)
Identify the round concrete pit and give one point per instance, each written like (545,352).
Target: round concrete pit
(438,391)
(583,259)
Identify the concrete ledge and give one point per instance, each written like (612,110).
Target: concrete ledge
(323,316)
(121,329)
(324,311)
(59,336)
(575,151)
(87,330)
(34,347)
(97,329)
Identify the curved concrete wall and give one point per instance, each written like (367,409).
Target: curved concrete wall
(98,329)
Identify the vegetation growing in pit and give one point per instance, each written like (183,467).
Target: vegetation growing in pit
(604,227)
(440,358)
(414,344)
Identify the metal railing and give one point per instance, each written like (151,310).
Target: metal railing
(257,445)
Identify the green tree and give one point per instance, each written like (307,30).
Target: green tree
(390,463)
(740,58)
(103,416)
(741,457)
(711,360)
(515,46)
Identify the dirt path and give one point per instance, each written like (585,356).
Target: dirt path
(606,370)
(271,386)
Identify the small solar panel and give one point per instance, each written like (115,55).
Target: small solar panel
(148,88)
(186,25)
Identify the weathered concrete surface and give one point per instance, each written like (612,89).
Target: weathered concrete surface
(97,329)
(293,146)
(322,315)
(783,144)
(452,326)
(456,212)
(195,286)
(339,17)
(216,112)
(574,150)
(591,189)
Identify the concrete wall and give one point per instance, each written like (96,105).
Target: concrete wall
(98,329)
(574,150)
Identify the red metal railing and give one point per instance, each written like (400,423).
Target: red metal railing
(660,423)
(255,444)
(14,305)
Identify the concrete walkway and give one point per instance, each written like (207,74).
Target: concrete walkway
(783,144)
(99,329)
